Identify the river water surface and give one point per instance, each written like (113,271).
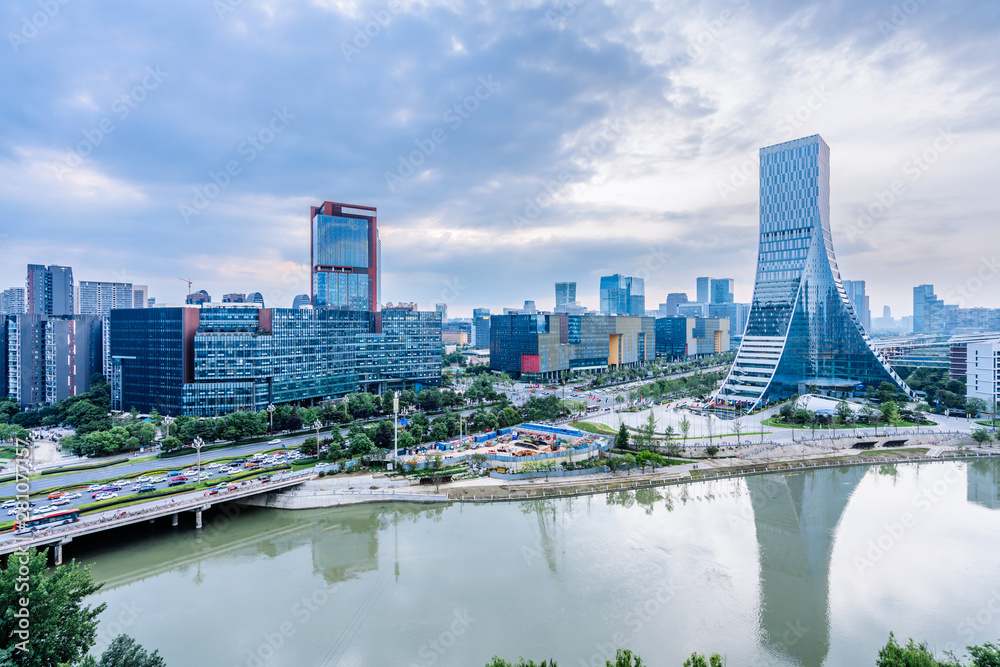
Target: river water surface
(813,568)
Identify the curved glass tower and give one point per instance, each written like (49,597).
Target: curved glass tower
(803,334)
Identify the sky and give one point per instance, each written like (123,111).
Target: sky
(506,145)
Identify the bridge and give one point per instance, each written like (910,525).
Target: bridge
(97,522)
(931,350)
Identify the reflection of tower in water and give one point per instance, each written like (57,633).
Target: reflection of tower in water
(984,483)
(796,517)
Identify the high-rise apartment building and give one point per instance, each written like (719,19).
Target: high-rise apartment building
(49,290)
(862,306)
(983,372)
(346,257)
(99,298)
(802,334)
(12,301)
(565,294)
(623,295)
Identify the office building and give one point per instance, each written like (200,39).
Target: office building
(48,359)
(198,298)
(682,337)
(541,346)
(714,290)
(346,257)
(692,309)
(565,294)
(623,295)
(529,307)
(860,301)
(140,296)
(100,298)
(481,327)
(300,301)
(886,312)
(49,290)
(703,289)
(928,311)
(235,297)
(12,301)
(256,297)
(442,308)
(983,372)
(674,299)
(735,313)
(802,335)
(222,358)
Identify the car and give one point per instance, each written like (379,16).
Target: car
(42,510)
(56,495)
(145,488)
(95,487)
(232,487)
(144,478)
(323,465)
(264,478)
(106,496)
(237,461)
(250,465)
(8,503)
(120,482)
(212,492)
(158,480)
(213,466)
(111,487)
(276,441)
(173,473)
(58,502)
(177,481)
(73,496)
(134,487)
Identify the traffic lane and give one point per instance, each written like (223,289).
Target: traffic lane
(87,477)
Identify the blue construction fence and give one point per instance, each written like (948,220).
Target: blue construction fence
(605,446)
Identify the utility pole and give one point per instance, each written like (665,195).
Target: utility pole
(395,426)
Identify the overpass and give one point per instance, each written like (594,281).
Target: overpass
(196,502)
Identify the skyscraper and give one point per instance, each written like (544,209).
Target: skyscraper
(674,299)
(346,257)
(99,298)
(721,290)
(49,290)
(703,289)
(12,301)
(140,296)
(565,294)
(928,310)
(443,309)
(623,295)
(856,293)
(802,334)
(481,327)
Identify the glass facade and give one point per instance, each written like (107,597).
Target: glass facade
(803,333)
(346,256)
(623,295)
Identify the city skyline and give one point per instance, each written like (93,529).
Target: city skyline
(131,168)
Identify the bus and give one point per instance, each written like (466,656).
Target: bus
(49,520)
(593,408)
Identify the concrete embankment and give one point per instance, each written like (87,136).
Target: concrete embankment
(334,491)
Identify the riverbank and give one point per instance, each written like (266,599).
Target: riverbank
(336,491)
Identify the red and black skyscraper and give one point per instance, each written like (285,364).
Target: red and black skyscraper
(346,257)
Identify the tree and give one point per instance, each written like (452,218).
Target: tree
(981,435)
(685,428)
(911,655)
(125,652)
(361,445)
(890,412)
(699,660)
(870,416)
(625,658)
(62,627)
(171,443)
(621,440)
(712,450)
(975,407)
(497,661)
(309,446)
(629,461)
(844,411)
(737,428)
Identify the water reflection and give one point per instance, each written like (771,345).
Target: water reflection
(984,483)
(796,516)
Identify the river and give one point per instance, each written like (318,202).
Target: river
(813,568)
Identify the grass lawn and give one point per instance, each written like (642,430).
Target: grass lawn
(909,451)
(596,428)
(773,421)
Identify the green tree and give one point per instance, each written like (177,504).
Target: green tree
(500,662)
(621,440)
(699,660)
(712,450)
(981,435)
(361,445)
(976,406)
(625,658)
(844,411)
(170,444)
(62,628)
(685,428)
(125,652)
(890,412)
(911,655)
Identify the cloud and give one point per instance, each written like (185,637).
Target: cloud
(387,106)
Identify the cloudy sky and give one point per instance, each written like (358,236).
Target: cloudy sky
(507,145)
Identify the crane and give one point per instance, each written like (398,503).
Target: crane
(188,281)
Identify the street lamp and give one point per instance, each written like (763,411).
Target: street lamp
(395,426)
(197,444)
(166,422)
(317,425)
(270,417)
